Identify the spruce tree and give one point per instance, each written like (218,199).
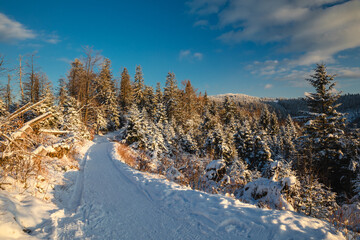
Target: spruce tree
(265,119)
(324,132)
(171,96)
(106,96)
(139,87)
(229,111)
(126,93)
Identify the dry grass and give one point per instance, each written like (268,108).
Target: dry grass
(127,155)
(348,221)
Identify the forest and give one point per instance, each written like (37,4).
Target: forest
(256,152)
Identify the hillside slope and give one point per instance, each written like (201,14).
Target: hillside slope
(107,199)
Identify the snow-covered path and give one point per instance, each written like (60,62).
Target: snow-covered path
(109,200)
(110,205)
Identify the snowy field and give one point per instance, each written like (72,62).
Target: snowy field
(106,199)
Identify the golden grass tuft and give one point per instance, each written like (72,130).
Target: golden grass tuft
(126,155)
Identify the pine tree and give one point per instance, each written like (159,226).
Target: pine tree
(138,89)
(137,130)
(149,101)
(171,96)
(158,94)
(288,136)
(104,86)
(126,93)
(262,155)
(315,199)
(274,124)
(71,118)
(62,91)
(106,96)
(244,142)
(324,133)
(189,101)
(265,119)
(229,111)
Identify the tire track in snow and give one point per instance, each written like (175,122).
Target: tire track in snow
(79,184)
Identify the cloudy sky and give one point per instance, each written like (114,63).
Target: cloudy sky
(259,47)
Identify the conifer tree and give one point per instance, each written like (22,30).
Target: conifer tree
(262,155)
(158,94)
(106,96)
(137,130)
(274,124)
(62,91)
(71,120)
(244,142)
(288,137)
(104,85)
(265,118)
(126,93)
(229,111)
(138,89)
(171,96)
(189,100)
(324,132)
(149,101)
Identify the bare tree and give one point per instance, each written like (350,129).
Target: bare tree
(8,96)
(2,63)
(20,78)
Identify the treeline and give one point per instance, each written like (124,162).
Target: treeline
(349,103)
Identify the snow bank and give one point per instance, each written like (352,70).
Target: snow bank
(21,214)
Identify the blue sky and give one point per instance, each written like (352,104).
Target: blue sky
(259,47)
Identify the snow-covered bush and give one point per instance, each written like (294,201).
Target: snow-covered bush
(174,174)
(315,199)
(266,192)
(215,170)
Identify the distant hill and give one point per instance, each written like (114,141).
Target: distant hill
(236,97)
(296,107)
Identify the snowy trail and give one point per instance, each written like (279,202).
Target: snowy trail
(109,205)
(109,200)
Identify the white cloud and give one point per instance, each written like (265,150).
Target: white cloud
(201,23)
(184,54)
(198,56)
(268,86)
(13,30)
(316,29)
(204,7)
(188,55)
(52,38)
(346,72)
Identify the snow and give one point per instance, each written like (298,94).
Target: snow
(107,199)
(173,174)
(20,212)
(288,181)
(265,191)
(216,165)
